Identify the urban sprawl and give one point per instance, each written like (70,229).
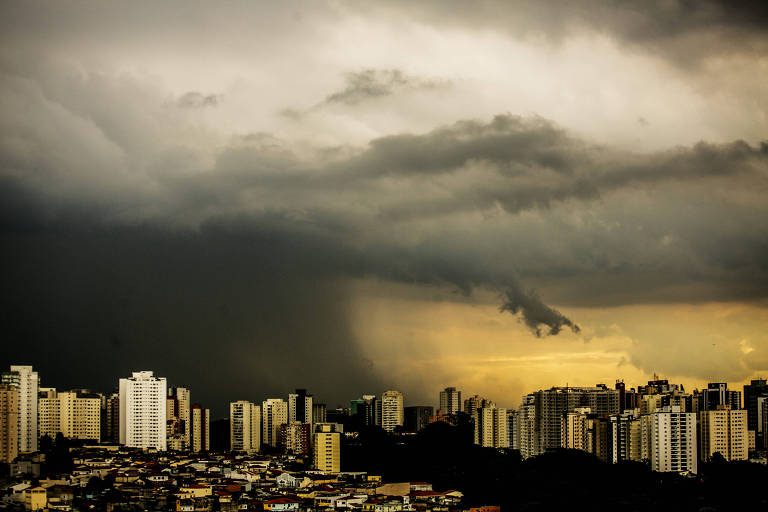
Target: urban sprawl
(147,446)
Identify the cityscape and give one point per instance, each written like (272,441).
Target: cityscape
(148,446)
(383,255)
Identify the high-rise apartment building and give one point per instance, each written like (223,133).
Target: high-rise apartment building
(142,404)
(74,414)
(26,380)
(245,423)
(200,429)
(274,413)
(9,422)
(669,440)
(295,437)
(178,422)
(717,395)
(450,401)
(365,411)
(756,389)
(625,436)
(417,417)
(576,429)
(327,447)
(723,431)
(110,418)
(529,440)
(300,407)
(491,427)
(513,428)
(318,413)
(476,402)
(392,410)
(552,404)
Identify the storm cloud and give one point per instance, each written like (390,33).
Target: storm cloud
(173,219)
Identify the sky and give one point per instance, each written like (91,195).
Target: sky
(349,197)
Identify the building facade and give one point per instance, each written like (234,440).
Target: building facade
(392,410)
(178,421)
(75,414)
(9,422)
(245,427)
(142,404)
(200,431)
(723,431)
(327,448)
(274,414)
(26,380)
(491,427)
(669,440)
(450,401)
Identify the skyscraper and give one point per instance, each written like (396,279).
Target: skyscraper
(295,437)
(142,411)
(26,380)
(716,395)
(365,411)
(450,401)
(274,413)
(9,422)
(200,431)
(244,427)
(392,413)
(327,448)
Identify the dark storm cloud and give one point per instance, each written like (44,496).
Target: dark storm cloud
(535,313)
(685,31)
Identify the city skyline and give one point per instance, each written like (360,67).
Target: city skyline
(497,196)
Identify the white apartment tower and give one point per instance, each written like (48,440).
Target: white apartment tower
(244,427)
(274,414)
(142,411)
(26,380)
(669,440)
(491,427)
(723,431)
(392,410)
(450,401)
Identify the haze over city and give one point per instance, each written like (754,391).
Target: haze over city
(356,196)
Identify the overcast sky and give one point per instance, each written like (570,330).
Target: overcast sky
(351,197)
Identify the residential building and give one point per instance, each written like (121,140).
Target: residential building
(300,407)
(295,437)
(669,440)
(757,388)
(365,411)
(9,422)
(476,402)
(274,413)
(625,436)
(575,429)
(491,427)
(245,424)
(75,414)
(513,428)
(392,410)
(110,418)
(723,431)
(318,413)
(716,395)
(178,422)
(529,440)
(200,431)
(327,447)
(417,417)
(26,380)
(142,404)
(450,401)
